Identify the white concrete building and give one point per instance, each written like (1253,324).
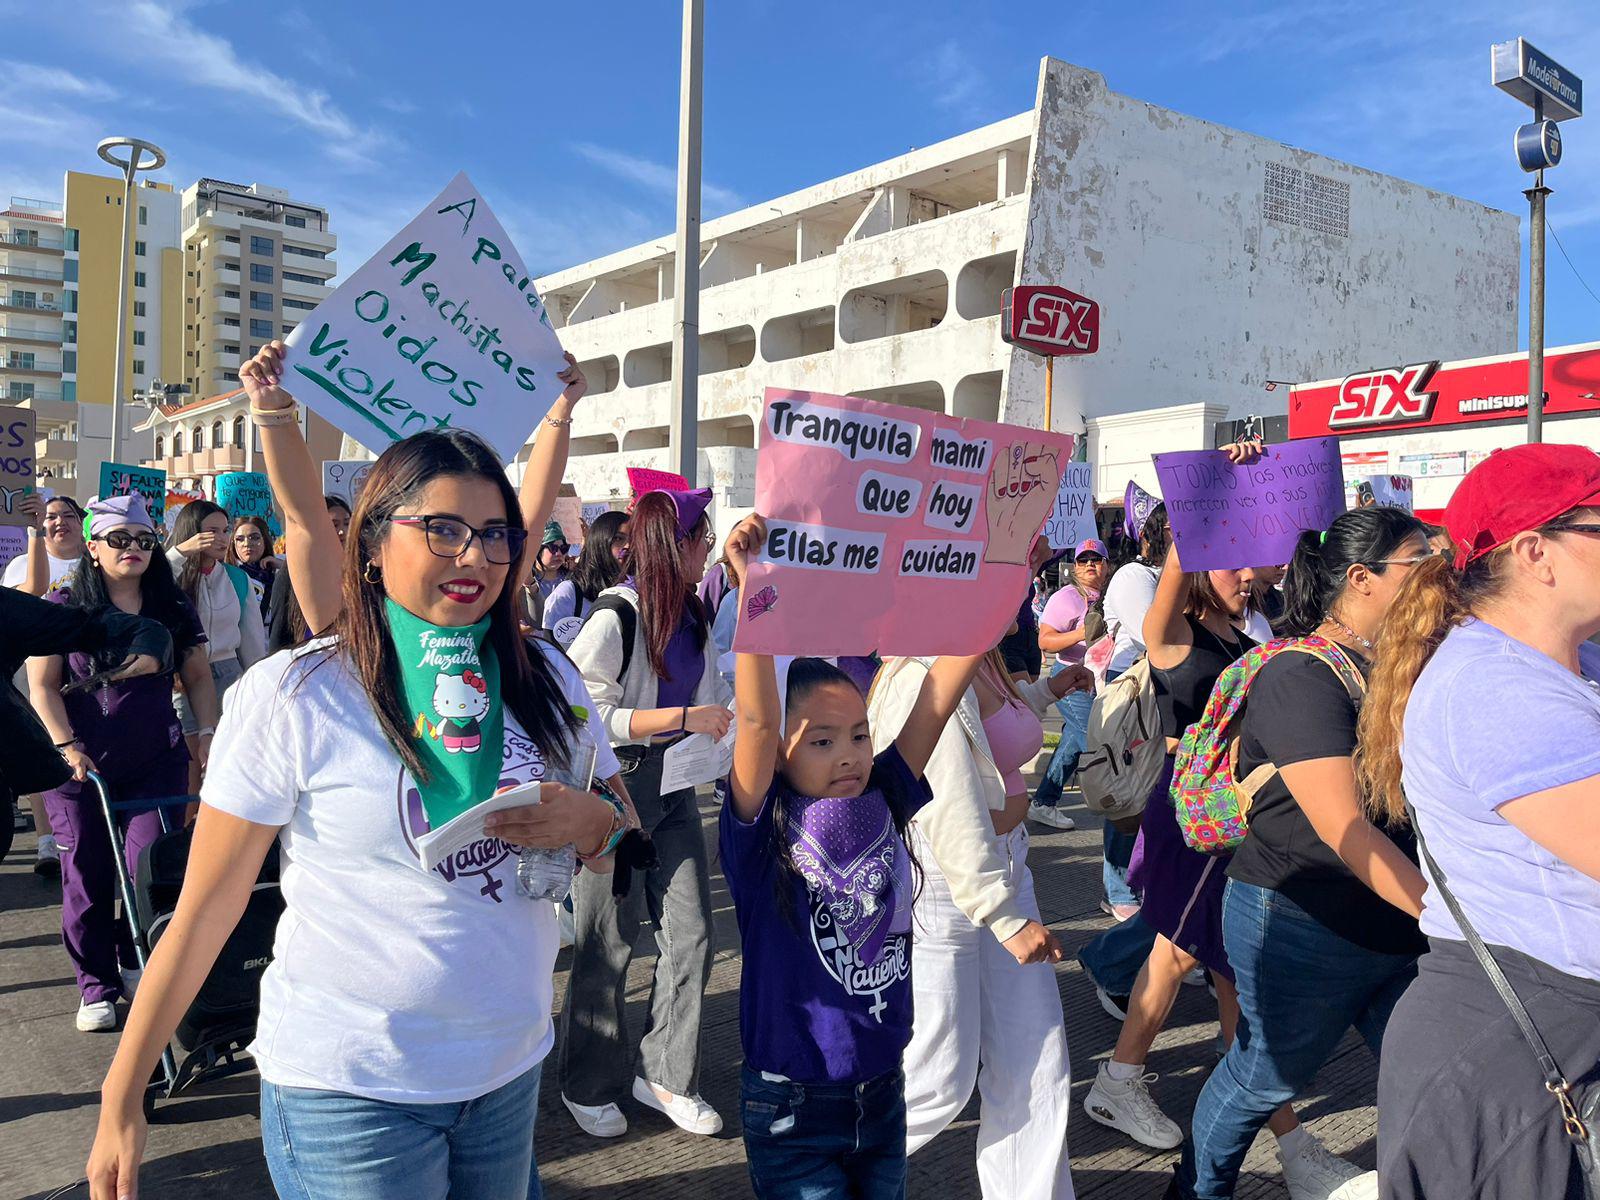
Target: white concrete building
(1220,259)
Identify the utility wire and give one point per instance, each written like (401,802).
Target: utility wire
(1570,263)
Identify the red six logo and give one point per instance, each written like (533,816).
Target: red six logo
(1057,320)
(1386,396)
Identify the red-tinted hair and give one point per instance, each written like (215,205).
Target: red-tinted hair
(655,559)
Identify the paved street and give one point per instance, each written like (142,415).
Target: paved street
(208,1145)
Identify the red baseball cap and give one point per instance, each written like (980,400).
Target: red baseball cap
(1516,490)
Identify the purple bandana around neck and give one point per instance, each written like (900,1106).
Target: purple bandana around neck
(851,857)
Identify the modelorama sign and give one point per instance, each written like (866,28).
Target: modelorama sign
(1432,394)
(891,529)
(440,329)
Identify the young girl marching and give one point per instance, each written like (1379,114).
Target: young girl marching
(813,848)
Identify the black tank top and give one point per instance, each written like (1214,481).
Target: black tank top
(1181,693)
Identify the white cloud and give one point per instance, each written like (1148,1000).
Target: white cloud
(958,83)
(30,79)
(654,176)
(168,40)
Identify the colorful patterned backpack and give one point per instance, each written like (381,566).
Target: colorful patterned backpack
(1212,803)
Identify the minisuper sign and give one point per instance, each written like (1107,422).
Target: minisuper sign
(1431,394)
(1050,320)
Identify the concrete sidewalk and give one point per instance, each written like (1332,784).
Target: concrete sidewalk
(208,1144)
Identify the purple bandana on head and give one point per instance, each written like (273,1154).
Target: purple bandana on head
(119,512)
(850,855)
(690,506)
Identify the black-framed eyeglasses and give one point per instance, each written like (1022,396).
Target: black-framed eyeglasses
(449,537)
(121,539)
(1575,527)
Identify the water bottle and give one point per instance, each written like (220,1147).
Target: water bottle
(547,874)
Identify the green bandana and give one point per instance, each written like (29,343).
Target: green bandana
(450,684)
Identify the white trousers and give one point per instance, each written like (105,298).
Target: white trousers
(982,1018)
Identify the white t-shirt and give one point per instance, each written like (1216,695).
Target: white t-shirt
(386,982)
(1256,626)
(60,570)
(1129,595)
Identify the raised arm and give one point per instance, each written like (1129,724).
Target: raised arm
(755,694)
(1166,634)
(36,580)
(314,554)
(541,479)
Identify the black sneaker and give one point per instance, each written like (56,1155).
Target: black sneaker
(1116,1007)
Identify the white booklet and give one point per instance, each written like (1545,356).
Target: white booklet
(439,844)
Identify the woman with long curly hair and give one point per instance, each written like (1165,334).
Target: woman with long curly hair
(646,654)
(1483,715)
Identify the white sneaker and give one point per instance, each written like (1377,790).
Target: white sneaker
(1128,1106)
(601,1120)
(689,1113)
(1049,814)
(1316,1173)
(130,982)
(47,857)
(1195,978)
(97,1017)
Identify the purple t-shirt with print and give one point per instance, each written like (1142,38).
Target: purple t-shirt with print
(810,1009)
(1492,720)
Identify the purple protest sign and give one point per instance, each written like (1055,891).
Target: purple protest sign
(1225,516)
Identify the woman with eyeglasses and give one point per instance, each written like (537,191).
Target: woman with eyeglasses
(599,566)
(1319,918)
(250,549)
(126,731)
(407,1011)
(648,658)
(1483,715)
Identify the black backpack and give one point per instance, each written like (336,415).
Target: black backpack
(628,617)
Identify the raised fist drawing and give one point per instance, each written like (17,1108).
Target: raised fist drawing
(1022,487)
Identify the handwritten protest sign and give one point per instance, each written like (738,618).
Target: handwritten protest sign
(891,529)
(1390,491)
(647,479)
(442,328)
(592,509)
(120,479)
(1223,516)
(568,513)
(17,471)
(248,494)
(1071,520)
(345,478)
(13,543)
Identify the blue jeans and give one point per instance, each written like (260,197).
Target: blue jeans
(1118,851)
(1113,958)
(1074,709)
(1300,987)
(332,1146)
(825,1142)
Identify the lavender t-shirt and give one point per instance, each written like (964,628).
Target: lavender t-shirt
(1492,720)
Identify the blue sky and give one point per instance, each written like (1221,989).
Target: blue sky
(565,113)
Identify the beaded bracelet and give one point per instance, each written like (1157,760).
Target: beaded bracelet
(619,825)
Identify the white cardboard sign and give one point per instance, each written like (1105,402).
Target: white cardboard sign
(1071,519)
(442,328)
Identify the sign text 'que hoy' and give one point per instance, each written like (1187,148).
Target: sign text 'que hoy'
(441,329)
(891,530)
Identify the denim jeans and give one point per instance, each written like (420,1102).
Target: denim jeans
(1300,987)
(842,1141)
(1113,958)
(1074,709)
(332,1146)
(1118,850)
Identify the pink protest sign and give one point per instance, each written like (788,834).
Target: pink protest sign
(892,530)
(1224,516)
(647,479)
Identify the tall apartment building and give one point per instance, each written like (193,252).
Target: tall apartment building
(256,262)
(1221,260)
(34,269)
(60,264)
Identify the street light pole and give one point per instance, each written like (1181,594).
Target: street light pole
(130,166)
(683,422)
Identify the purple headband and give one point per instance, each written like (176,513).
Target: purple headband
(690,507)
(118,512)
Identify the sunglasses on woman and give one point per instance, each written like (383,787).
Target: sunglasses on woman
(121,539)
(449,537)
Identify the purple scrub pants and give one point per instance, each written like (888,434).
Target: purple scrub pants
(94,937)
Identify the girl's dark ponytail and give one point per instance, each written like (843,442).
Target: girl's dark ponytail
(1322,561)
(1305,587)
